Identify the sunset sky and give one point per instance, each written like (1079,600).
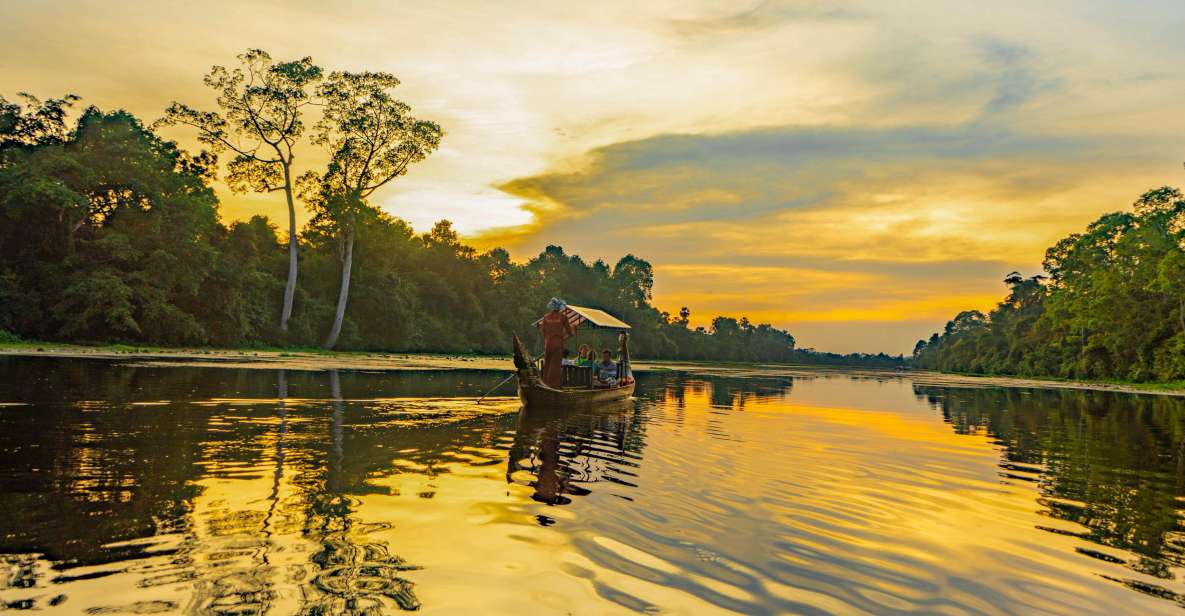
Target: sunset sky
(857,172)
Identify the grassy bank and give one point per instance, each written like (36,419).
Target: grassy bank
(317,359)
(1177,385)
(293,358)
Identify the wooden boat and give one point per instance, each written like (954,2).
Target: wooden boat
(534,393)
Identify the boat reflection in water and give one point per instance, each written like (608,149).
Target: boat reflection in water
(567,450)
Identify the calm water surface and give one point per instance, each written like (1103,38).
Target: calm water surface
(219,491)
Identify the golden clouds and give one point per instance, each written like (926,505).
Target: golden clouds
(801,225)
(812,162)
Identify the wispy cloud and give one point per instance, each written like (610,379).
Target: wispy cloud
(760,17)
(1010,69)
(855,170)
(674,181)
(821,224)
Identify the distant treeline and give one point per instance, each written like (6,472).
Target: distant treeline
(109,233)
(1111,305)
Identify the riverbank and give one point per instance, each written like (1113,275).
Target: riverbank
(267,359)
(920,377)
(319,360)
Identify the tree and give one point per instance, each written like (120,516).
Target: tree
(36,122)
(634,278)
(1112,305)
(373,140)
(262,105)
(108,232)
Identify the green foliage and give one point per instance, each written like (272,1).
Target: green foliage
(110,234)
(106,234)
(373,139)
(371,135)
(262,104)
(261,121)
(1112,306)
(34,123)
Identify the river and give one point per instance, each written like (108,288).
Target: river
(210,490)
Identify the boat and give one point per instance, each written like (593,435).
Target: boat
(577,392)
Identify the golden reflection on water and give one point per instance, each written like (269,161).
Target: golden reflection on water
(307,493)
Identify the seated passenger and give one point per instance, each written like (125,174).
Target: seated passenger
(586,357)
(567,360)
(605,372)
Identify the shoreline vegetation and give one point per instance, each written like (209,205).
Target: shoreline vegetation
(111,234)
(315,359)
(1109,307)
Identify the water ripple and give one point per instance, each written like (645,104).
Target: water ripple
(158,490)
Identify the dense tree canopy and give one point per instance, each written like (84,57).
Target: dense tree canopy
(109,233)
(1111,305)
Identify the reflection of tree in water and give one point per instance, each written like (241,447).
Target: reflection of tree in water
(247,539)
(1113,463)
(83,484)
(51,380)
(353,577)
(102,487)
(345,575)
(723,391)
(565,450)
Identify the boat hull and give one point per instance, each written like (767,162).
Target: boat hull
(537,395)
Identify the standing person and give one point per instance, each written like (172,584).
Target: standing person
(555,328)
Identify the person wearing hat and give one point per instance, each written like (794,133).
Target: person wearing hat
(555,328)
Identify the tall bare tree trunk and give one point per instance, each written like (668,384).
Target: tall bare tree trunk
(290,288)
(344,292)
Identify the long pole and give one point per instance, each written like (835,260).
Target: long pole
(503,382)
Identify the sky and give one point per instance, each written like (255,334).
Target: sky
(857,172)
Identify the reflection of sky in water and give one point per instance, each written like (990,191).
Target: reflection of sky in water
(243,491)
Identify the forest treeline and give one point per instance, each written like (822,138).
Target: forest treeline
(111,233)
(1110,305)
